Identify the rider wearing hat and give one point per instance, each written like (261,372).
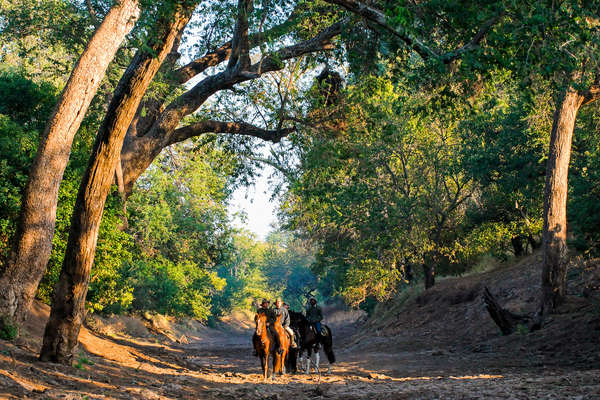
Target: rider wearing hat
(264,308)
(278,310)
(314,314)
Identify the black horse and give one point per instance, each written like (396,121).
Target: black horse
(311,341)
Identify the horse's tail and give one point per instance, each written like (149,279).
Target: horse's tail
(328,346)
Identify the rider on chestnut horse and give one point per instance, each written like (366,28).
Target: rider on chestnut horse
(279,309)
(264,309)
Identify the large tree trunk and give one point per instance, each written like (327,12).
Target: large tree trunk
(67,313)
(554,270)
(554,240)
(32,242)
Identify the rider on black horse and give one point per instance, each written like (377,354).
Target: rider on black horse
(314,315)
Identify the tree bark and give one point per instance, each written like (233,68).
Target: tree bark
(67,313)
(32,242)
(554,243)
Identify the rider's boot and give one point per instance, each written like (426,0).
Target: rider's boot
(293,344)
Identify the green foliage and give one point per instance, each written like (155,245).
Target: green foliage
(174,289)
(82,361)
(24,108)
(9,330)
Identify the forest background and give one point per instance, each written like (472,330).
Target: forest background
(392,166)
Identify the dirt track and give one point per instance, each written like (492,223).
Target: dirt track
(221,366)
(436,345)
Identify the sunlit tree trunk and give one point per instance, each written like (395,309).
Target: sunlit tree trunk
(68,306)
(555,201)
(554,243)
(32,242)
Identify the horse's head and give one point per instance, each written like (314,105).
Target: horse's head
(260,319)
(297,319)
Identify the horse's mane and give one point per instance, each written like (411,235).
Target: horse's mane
(298,317)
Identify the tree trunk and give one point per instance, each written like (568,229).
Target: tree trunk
(517,244)
(32,242)
(67,313)
(554,243)
(429,275)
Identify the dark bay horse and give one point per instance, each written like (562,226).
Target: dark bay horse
(311,341)
(263,342)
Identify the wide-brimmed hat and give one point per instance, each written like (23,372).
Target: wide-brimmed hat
(264,301)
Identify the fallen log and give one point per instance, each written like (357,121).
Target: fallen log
(506,320)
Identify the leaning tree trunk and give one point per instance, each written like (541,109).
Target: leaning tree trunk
(67,313)
(32,242)
(507,321)
(554,269)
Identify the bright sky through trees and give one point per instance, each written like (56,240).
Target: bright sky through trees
(256,203)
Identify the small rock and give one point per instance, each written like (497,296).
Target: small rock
(171,387)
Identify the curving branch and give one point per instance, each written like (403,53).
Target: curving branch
(378,17)
(141,147)
(239,128)
(592,94)
(222,53)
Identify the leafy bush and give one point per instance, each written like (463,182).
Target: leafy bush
(8,329)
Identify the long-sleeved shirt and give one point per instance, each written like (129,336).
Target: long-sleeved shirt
(314,314)
(285,316)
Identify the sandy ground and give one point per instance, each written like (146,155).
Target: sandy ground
(421,356)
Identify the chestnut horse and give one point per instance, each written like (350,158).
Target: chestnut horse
(284,345)
(263,341)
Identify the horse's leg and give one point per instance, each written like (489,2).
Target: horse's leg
(266,367)
(276,364)
(308,359)
(317,359)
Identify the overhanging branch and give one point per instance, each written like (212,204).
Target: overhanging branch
(377,17)
(239,128)
(222,53)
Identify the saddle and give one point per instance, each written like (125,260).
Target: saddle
(323,330)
